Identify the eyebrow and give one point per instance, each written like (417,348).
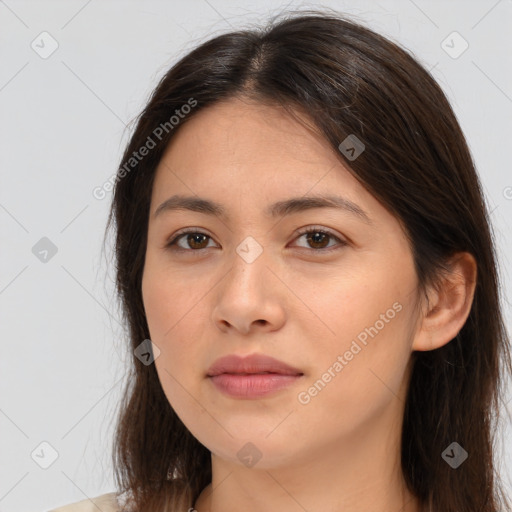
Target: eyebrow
(278,209)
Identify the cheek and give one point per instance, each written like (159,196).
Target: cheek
(345,306)
(162,314)
(362,353)
(174,320)
(357,381)
(176,366)
(168,301)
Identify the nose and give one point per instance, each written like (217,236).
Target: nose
(249,298)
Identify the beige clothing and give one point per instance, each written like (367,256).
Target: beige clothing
(105,503)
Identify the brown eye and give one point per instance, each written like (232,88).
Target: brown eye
(196,240)
(318,240)
(192,240)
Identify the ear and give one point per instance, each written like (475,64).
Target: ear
(448,306)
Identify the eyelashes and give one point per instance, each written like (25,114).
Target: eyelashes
(315,236)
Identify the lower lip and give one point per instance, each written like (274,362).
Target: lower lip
(253,385)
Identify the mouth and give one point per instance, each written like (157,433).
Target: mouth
(254,364)
(252,385)
(254,376)
(254,373)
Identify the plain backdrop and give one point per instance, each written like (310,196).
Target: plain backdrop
(72,76)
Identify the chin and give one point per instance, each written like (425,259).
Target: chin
(254,451)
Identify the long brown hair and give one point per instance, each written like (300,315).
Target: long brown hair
(347,80)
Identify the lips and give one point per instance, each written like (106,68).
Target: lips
(253,377)
(249,365)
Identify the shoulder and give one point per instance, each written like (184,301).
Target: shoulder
(105,502)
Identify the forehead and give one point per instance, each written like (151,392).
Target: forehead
(243,144)
(248,157)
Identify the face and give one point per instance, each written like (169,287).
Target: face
(323,289)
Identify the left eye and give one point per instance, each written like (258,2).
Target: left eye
(318,238)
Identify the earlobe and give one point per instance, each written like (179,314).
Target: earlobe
(448,305)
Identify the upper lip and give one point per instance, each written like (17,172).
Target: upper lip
(254,363)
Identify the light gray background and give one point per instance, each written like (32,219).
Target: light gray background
(62,132)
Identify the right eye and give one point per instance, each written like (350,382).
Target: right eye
(193,239)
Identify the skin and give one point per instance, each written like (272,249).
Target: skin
(294,303)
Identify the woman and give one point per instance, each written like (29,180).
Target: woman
(307,270)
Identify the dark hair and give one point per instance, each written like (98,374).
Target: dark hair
(347,80)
